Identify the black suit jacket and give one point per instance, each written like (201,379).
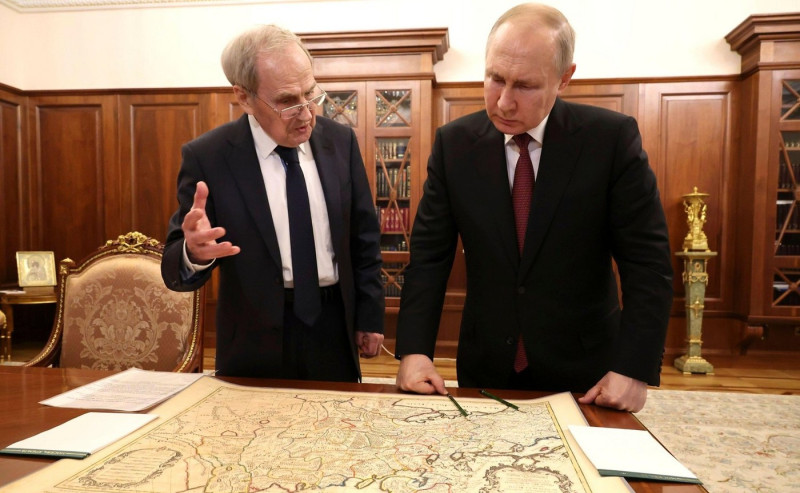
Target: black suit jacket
(595,199)
(251,291)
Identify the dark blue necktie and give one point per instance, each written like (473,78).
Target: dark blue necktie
(304,258)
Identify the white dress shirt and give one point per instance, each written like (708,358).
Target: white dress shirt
(274,175)
(534,148)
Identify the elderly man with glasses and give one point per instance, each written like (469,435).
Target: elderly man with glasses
(279,201)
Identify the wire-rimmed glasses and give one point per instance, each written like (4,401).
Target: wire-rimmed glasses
(294,111)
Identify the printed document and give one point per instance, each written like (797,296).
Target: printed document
(130,390)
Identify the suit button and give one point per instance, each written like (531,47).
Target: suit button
(521,290)
(278,280)
(510,340)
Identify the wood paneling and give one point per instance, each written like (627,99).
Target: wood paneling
(72,149)
(687,132)
(451,101)
(152,130)
(226,107)
(12,171)
(615,96)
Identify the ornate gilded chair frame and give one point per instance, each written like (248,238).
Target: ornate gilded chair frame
(133,242)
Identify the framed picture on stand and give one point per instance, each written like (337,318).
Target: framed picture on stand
(36,271)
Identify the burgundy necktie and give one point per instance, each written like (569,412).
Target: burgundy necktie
(307,303)
(521,195)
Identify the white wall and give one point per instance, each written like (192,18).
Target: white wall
(179,46)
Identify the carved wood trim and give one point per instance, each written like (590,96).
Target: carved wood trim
(767,41)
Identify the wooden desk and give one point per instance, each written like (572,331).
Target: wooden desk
(22,416)
(7,300)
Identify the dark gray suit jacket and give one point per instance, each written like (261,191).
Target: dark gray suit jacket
(251,293)
(595,199)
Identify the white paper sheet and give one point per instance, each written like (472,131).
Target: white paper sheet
(130,390)
(81,436)
(629,453)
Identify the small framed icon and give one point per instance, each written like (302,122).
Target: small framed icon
(36,269)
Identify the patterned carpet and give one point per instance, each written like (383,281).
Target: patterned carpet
(734,442)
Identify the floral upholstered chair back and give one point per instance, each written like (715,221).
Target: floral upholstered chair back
(114,312)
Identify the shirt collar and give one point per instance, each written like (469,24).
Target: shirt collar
(536,132)
(265,144)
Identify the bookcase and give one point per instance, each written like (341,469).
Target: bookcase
(787,202)
(387,103)
(389,137)
(769,185)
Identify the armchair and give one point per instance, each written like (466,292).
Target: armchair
(114,312)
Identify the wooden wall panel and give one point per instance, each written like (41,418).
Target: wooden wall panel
(72,146)
(687,131)
(746,208)
(451,101)
(152,130)
(226,107)
(12,212)
(620,97)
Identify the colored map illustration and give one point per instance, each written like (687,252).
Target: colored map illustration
(230,438)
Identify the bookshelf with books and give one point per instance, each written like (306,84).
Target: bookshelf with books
(786,272)
(381,96)
(769,177)
(389,136)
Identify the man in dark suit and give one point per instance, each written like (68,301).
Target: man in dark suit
(299,289)
(542,309)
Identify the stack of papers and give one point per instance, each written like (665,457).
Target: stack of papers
(81,436)
(630,454)
(130,390)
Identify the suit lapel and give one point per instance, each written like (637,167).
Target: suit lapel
(323,152)
(488,153)
(559,157)
(243,163)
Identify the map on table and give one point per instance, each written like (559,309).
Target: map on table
(221,437)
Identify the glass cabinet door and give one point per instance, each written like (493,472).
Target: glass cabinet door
(393,139)
(786,276)
(342,107)
(344,104)
(383,115)
(392,204)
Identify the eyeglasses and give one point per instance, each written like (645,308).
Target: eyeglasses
(293,111)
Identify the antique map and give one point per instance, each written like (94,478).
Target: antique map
(219,437)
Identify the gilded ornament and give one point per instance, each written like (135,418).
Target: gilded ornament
(695,208)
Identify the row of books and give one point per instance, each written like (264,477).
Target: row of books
(787,249)
(789,176)
(396,179)
(390,150)
(392,219)
(394,244)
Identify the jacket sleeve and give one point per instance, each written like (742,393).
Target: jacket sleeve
(365,250)
(640,246)
(433,246)
(171,263)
